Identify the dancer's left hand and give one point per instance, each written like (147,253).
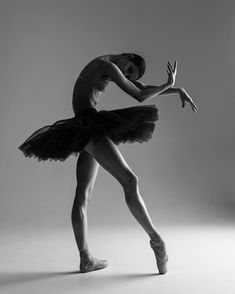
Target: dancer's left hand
(184,96)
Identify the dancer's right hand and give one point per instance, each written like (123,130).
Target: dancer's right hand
(172,71)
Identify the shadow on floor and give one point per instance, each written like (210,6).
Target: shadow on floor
(16,278)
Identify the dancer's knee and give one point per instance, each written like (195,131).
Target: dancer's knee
(107,154)
(82,196)
(130,182)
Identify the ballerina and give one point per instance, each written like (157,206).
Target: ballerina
(94,135)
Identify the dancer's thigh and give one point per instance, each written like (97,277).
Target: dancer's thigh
(110,158)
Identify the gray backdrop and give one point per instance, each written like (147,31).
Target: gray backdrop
(186,172)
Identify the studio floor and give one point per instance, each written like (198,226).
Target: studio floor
(201,260)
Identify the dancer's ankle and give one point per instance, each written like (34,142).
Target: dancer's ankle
(85,254)
(154,236)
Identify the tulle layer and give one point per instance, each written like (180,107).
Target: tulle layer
(69,136)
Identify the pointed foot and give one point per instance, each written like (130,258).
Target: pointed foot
(93,264)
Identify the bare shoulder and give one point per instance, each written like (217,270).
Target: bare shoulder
(110,69)
(102,66)
(106,67)
(92,66)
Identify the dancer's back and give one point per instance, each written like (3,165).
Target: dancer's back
(89,85)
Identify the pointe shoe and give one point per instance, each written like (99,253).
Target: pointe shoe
(161,256)
(93,264)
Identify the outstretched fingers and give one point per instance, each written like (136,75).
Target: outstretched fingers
(171,68)
(175,66)
(194,107)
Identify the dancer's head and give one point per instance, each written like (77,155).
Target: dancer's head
(132,65)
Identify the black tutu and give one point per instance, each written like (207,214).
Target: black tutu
(69,136)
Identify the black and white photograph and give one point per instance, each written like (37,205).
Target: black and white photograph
(117,146)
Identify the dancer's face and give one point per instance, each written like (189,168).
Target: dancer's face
(128,68)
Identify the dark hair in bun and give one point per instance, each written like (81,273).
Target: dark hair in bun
(138,61)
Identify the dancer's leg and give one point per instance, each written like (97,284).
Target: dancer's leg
(110,158)
(86,172)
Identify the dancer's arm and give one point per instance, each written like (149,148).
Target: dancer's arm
(169,91)
(184,96)
(130,88)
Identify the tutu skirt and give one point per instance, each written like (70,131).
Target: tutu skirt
(69,136)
